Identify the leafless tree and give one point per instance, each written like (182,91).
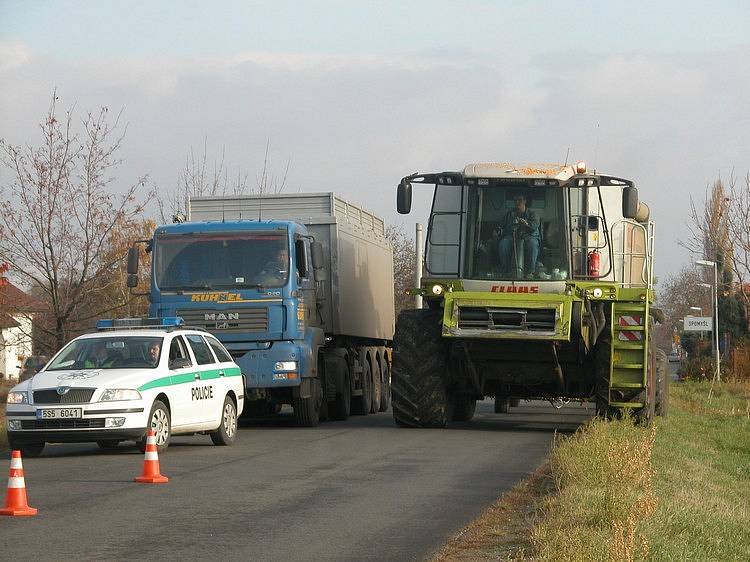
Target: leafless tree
(58,212)
(403,266)
(738,225)
(200,178)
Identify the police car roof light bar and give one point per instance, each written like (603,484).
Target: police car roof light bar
(139,323)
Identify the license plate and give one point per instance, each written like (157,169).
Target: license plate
(59,414)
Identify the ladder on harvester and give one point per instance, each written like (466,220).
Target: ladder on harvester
(629,355)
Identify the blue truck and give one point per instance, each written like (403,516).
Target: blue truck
(298,287)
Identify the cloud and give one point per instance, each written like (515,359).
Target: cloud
(357,124)
(13,54)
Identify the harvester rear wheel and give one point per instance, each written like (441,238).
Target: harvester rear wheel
(602,357)
(463,408)
(418,387)
(662,384)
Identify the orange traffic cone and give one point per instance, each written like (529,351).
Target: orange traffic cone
(15,501)
(151,471)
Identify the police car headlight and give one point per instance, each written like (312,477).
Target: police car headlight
(115,394)
(18,398)
(285,366)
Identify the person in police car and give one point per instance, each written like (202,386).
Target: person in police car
(99,358)
(153,353)
(524,224)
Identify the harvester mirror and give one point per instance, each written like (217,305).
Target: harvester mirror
(403,198)
(316,249)
(133,260)
(629,202)
(132,280)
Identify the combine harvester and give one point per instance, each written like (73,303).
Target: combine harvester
(538,285)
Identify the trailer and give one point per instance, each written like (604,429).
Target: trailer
(298,287)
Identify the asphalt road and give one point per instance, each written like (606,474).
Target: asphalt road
(356,490)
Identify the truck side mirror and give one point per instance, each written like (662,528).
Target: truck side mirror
(403,198)
(318,261)
(629,202)
(132,280)
(299,254)
(133,260)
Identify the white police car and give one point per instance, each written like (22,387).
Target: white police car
(130,375)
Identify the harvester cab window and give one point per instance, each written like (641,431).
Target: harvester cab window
(444,231)
(516,232)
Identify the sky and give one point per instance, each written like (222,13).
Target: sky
(355,95)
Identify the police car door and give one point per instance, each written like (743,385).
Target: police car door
(226,381)
(204,393)
(182,372)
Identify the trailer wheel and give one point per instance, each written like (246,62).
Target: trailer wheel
(515,401)
(307,410)
(502,404)
(662,384)
(340,408)
(361,404)
(420,396)
(463,408)
(385,384)
(377,388)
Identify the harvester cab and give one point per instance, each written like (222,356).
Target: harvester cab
(539,278)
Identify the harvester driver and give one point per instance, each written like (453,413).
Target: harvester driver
(519,239)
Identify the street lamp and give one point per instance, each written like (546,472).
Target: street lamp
(715,342)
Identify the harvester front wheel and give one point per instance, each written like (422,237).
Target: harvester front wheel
(418,386)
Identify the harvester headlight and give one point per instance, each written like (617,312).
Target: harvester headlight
(581,167)
(597,292)
(437,289)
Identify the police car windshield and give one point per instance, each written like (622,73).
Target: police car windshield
(113,352)
(225,260)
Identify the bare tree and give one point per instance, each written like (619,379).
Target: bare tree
(200,178)
(404,256)
(57,214)
(738,226)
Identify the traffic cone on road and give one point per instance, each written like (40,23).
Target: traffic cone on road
(151,471)
(15,501)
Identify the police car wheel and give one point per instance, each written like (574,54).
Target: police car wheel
(227,432)
(160,422)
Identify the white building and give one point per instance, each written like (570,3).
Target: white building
(15,329)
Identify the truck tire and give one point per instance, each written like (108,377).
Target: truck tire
(420,396)
(502,404)
(662,384)
(361,404)
(463,408)
(307,410)
(340,408)
(377,388)
(515,401)
(385,383)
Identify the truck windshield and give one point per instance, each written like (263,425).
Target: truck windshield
(226,260)
(516,232)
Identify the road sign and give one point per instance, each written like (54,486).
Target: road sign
(698,323)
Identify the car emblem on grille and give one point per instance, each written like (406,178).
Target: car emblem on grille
(63,390)
(219,316)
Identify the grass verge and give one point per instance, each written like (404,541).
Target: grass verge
(679,490)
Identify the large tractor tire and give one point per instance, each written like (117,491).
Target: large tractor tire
(463,408)
(418,385)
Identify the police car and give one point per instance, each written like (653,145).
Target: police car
(132,374)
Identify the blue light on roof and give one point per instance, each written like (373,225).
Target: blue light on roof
(172,321)
(102,324)
(110,323)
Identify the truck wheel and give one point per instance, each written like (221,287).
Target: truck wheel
(662,384)
(361,404)
(420,396)
(463,408)
(514,402)
(227,431)
(340,408)
(502,404)
(377,389)
(307,410)
(385,384)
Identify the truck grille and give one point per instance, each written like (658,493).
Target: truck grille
(237,320)
(73,396)
(510,319)
(93,423)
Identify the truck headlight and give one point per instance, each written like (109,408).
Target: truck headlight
(18,397)
(285,366)
(116,394)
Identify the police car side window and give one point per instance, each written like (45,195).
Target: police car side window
(177,350)
(200,350)
(219,351)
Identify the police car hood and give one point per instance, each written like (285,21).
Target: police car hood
(93,378)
